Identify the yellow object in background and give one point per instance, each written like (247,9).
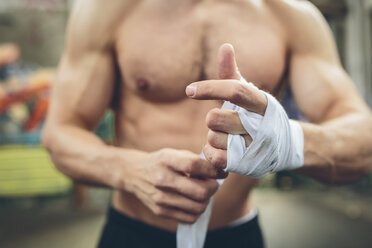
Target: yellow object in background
(28,171)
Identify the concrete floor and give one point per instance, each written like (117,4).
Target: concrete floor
(299,220)
(289,220)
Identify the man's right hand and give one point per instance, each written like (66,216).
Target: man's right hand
(174,184)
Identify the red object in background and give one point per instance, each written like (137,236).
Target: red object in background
(21,96)
(37,90)
(37,114)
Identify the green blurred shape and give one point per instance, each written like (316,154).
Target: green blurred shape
(105,129)
(28,171)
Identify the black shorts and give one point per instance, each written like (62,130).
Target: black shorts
(121,231)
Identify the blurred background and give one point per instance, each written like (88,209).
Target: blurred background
(40,207)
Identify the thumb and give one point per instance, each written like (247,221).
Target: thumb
(227,66)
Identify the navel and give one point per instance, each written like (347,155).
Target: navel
(142,84)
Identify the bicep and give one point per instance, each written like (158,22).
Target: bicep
(83,88)
(322,89)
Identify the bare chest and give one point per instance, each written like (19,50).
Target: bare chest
(161,50)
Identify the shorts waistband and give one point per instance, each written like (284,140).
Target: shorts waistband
(244,219)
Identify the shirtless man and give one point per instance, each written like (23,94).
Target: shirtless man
(138,56)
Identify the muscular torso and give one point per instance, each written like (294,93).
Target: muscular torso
(164,45)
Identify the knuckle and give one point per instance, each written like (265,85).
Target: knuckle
(159,157)
(193,218)
(201,208)
(193,165)
(160,211)
(190,219)
(162,156)
(203,195)
(212,138)
(160,179)
(164,212)
(167,180)
(159,198)
(213,117)
(157,210)
(235,115)
(208,155)
(237,93)
(215,186)
(218,159)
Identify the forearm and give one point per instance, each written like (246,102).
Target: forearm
(338,151)
(79,154)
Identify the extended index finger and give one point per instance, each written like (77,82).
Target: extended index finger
(229,90)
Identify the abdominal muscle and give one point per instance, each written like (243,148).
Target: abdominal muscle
(152,126)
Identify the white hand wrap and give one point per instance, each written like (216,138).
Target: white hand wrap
(193,236)
(277,145)
(277,141)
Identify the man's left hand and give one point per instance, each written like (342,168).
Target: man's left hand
(222,122)
(249,113)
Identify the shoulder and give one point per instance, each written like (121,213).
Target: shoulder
(299,10)
(93,23)
(305,26)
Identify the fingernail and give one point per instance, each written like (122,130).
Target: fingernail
(191,90)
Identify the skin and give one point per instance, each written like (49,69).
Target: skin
(341,119)
(139,56)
